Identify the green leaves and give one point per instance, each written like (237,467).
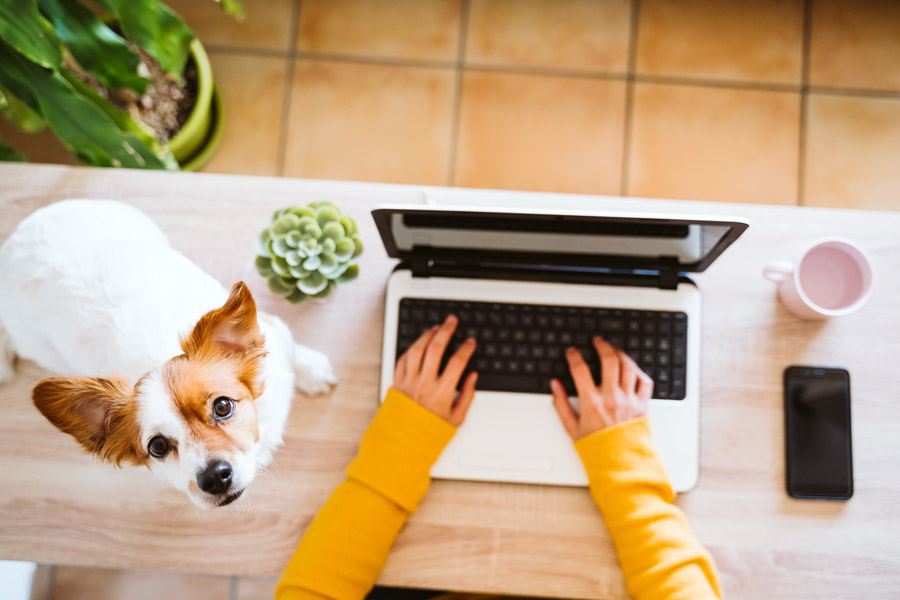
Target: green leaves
(154,27)
(24,28)
(20,114)
(307,250)
(96,47)
(232,8)
(80,124)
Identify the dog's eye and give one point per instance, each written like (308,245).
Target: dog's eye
(158,447)
(223,407)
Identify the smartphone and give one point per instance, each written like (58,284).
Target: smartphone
(817,432)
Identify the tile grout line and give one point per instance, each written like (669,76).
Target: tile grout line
(550,72)
(804,101)
(260,52)
(629,97)
(233,588)
(288,89)
(457,95)
(378,60)
(867,93)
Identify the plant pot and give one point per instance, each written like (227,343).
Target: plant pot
(198,138)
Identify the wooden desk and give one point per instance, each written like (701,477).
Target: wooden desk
(57,505)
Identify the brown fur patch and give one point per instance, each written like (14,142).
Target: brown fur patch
(231,332)
(194,384)
(99,412)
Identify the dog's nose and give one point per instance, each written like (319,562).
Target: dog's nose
(215,478)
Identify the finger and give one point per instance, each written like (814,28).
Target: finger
(564,409)
(609,364)
(628,377)
(438,345)
(581,375)
(644,389)
(457,364)
(464,401)
(417,350)
(400,369)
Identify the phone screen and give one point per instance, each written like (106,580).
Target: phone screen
(817,420)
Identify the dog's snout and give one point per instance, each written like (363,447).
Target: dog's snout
(215,478)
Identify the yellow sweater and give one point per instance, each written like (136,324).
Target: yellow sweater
(345,547)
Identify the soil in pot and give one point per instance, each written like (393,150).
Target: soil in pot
(166,103)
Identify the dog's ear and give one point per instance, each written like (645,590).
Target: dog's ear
(231,329)
(231,332)
(99,412)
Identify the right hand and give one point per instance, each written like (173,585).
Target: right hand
(623,393)
(416,373)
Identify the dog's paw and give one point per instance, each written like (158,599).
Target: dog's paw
(314,374)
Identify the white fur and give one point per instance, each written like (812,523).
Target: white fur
(91,287)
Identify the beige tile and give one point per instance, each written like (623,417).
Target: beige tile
(81,583)
(743,40)
(266,24)
(400,29)
(41,147)
(852,152)
(534,132)
(855,44)
(253,588)
(252,89)
(587,35)
(708,143)
(370,122)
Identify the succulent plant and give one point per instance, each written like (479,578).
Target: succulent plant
(307,250)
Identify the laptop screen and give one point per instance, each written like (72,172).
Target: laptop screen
(564,239)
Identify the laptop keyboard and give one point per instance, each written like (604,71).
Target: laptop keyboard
(522,346)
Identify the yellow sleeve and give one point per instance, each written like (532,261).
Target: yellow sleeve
(345,547)
(659,554)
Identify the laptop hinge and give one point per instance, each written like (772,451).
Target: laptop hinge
(420,267)
(668,280)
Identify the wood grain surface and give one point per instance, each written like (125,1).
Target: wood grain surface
(58,505)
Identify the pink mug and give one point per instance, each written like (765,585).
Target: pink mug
(832,278)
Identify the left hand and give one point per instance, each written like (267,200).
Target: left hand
(416,373)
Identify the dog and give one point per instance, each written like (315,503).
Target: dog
(158,364)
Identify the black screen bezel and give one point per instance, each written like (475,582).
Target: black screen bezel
(800,373)
(382,217)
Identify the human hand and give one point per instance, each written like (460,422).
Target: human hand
(623,393)
(416,373)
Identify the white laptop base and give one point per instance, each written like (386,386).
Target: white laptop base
(518,437)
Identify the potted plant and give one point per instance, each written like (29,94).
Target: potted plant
(131,88)
(307,250)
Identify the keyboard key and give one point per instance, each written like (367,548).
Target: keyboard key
(610,325)
(507,383)
(679,352)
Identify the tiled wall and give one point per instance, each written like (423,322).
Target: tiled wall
(771,101)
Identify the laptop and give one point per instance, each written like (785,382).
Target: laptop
(527,284)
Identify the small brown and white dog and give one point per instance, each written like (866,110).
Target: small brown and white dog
(203,384)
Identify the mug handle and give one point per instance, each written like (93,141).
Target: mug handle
(778,270)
